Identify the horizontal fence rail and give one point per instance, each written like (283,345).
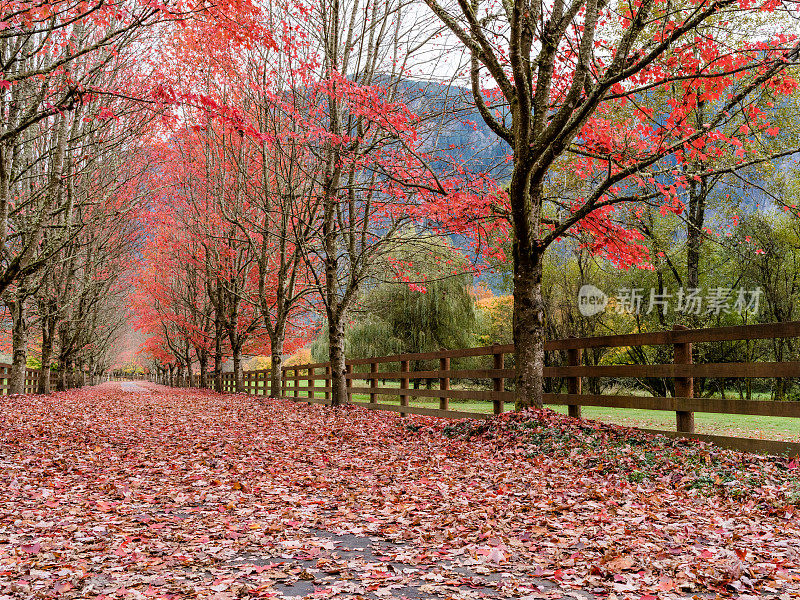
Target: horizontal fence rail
(367,377)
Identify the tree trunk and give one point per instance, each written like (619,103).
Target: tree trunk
(218,358)
(238,374)
(330,241)
(337,358)
(236,340)
(79,377)
(275,379)
(528,325)
(44,385)
(694,230)
(695,218)
(19,343)
(202,358)
(276,344)
(69,379)
(189,374)
(61,381)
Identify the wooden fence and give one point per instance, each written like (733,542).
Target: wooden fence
(255,382)
(31,379)
(300,382)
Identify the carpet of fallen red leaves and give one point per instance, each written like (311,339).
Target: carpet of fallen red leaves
(184,493)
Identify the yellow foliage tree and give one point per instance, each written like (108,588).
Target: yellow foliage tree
(495,319)
(301,357)
(258,363)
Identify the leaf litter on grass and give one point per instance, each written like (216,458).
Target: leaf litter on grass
(193,494)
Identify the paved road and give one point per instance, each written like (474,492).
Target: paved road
(144,492)
(129,386)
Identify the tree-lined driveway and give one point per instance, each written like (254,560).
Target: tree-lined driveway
(139,491)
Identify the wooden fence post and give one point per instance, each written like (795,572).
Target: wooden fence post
(684,386)
(296,384)
(328,384)
(499,382)
(311,383)
(574,383)
(404,385)
(284,380)
(444,383)
(373,383)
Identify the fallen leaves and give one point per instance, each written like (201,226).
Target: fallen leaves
(620,563)
(182,493)
(32,548)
